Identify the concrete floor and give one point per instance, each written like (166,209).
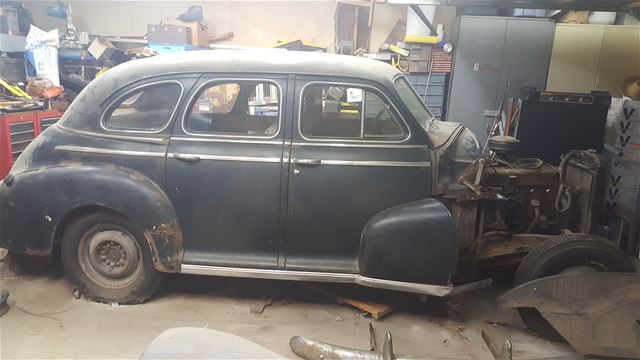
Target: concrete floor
(45,321)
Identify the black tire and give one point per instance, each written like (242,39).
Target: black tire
(558,254)
(106,257)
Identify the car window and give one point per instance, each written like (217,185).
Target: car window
(146,109)
(249,108)
(413,102)
(347,112)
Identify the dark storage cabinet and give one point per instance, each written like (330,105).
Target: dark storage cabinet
(490,52)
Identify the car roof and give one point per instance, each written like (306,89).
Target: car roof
(82,114)
(262,61)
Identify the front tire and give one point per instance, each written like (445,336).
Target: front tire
(106,257)
(570,253)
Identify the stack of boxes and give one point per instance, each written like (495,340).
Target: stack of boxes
(173,35)
(418,60)
(622,153)
(431,89)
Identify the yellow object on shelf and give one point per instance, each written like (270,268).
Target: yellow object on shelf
(421,39)
(398,50)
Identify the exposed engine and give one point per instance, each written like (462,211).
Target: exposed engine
(522,192)
(501,198)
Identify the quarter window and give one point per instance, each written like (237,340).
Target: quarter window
(147,109)
(243,108)
(347,112)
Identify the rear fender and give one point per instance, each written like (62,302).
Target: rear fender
(36,204)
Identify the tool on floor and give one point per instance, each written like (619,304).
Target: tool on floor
(503,351)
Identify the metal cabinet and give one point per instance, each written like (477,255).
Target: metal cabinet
(590,57)
(491,52)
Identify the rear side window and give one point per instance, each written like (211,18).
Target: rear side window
(147,109)
(236,108)
(347,112)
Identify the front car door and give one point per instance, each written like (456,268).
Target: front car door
(353,155)
(224,166)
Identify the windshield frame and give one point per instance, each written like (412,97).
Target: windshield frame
(426,124)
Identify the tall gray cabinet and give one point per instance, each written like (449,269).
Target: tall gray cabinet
(490,52)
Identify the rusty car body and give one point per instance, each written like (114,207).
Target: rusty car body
(263,164)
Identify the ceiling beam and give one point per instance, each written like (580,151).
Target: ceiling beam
(588,5)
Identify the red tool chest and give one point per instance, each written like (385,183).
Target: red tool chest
(17,130)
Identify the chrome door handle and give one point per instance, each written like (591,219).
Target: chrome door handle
(307,161)
(186,158)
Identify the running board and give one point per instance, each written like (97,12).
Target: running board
(416,288)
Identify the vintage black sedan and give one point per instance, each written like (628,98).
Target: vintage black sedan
(263,164)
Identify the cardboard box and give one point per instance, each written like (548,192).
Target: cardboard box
(622,131)
(422,53)
(199,31)
(418,66)
(103,50)
(575,17)
(168,34)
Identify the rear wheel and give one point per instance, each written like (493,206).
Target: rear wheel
(106,256)
(567,254)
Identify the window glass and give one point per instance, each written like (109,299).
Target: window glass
(347,112)
(413,102)
(236,108)
(147,109)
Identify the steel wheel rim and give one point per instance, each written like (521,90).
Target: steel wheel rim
(110,256)
(579,270)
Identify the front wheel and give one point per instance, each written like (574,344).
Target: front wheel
(105,255)
(566,254)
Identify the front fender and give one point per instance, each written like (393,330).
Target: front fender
(34,204)
(412,242)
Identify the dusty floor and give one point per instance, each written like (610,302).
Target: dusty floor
(45,321)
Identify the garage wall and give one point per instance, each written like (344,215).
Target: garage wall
(254,23)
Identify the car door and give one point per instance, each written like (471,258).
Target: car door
(353,154)
(224,166)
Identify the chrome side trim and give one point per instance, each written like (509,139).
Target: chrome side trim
(239,141)
(377,90)
(110,108)
(110,136)
(425,289)
(91,150)
(419,164)
(376,146)
(196,94)
(230,158)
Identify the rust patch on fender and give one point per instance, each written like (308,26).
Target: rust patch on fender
(165,241)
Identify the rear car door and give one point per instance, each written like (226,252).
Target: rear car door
(224,166)
(352,156)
